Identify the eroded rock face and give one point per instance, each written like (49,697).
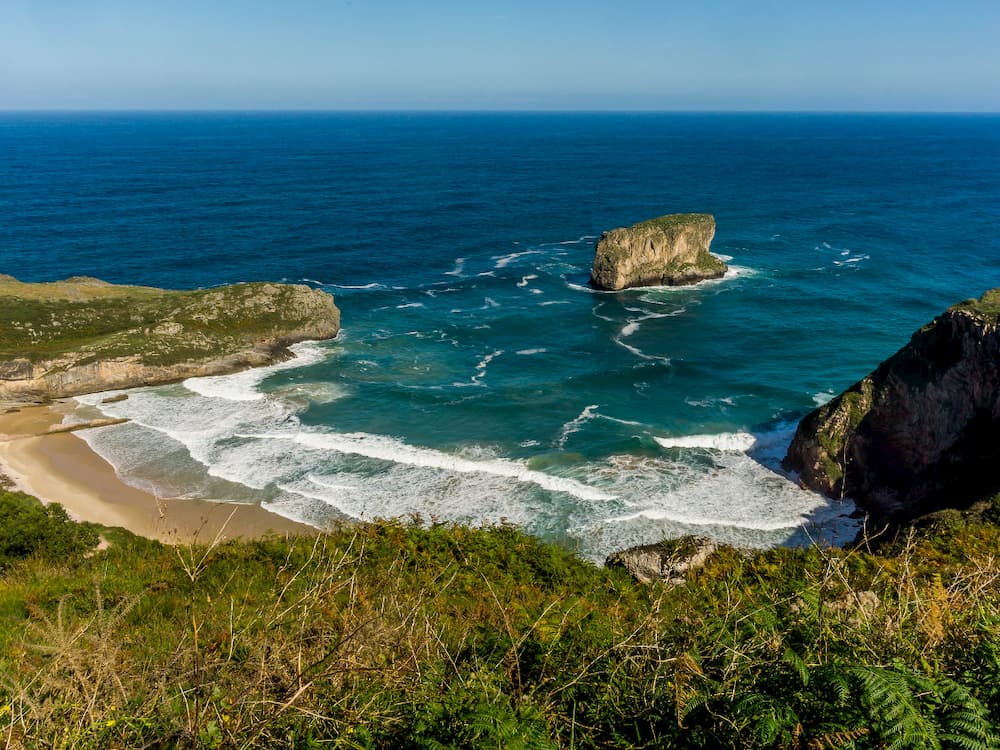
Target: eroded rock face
(82,336)
(668,251)
(668,561)
(920,433)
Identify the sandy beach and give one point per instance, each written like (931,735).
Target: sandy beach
(61,467)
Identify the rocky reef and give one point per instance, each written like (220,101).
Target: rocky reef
(670,250)
(83,335)
(921,432)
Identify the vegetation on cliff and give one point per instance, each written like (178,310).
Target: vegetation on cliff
(400,636)
(129,335)
(922,431)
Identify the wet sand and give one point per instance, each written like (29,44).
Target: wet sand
(60,467)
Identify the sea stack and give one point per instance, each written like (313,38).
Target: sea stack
(921,432)
(667,251)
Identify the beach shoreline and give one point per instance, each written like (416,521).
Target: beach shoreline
(60,467)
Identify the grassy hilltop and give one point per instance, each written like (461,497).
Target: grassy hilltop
(390,635)
(82,334)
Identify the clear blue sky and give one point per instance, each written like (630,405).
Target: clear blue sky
(517,54)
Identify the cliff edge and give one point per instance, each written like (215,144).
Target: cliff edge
(83,335)
(921,432)
(670,250)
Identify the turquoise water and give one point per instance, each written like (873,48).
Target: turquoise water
(477,378)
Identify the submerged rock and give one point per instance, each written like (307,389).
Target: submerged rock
(921,432)
(670,250)
(83,335)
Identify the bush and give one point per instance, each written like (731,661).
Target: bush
(28,528)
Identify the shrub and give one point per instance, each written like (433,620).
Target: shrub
(28,528)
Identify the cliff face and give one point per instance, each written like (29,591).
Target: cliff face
(920,433)
(670,250)
(82,335)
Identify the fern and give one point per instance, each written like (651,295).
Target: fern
(964,720)
(797,663)
(893,710)
(837,740)
(769,720)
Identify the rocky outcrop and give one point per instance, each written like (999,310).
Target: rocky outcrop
(668,251)
(920,433)
(669,561)
(82,335)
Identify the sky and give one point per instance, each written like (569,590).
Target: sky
(842,55)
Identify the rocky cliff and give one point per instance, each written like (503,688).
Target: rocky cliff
(670,250)
(83,335)
(921,432)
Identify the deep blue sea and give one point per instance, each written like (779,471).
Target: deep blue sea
(477,378)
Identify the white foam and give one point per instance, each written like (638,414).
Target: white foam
(506,260)
(395,451)
(458,269)
(577,241)
(771,447)
(332,498)
(537,291)
(575,424)
(488,303)
(739,497)
(529,352)
(727,441)
(483,364)
(619,421)
(313,476)
(242,386)
(587,289)
(409,305)
(690,519)
(732,273)
(525,279)
(641,354)
(311,393)
(373,285)
(629,328)
(555,302)
(823,397)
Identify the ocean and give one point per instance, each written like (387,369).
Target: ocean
(477,378)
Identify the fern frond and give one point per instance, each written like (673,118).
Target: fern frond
(893,710)
(797,663)
(965,720)
(837,740)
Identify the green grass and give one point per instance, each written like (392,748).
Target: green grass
(88,321)
(392,635)
(988,304)
(672,222)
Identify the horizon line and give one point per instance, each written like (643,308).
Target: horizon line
(446,110)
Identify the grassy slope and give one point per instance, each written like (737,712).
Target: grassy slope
(395,636)
(91,320)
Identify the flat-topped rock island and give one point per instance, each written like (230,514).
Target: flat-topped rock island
(670,250)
